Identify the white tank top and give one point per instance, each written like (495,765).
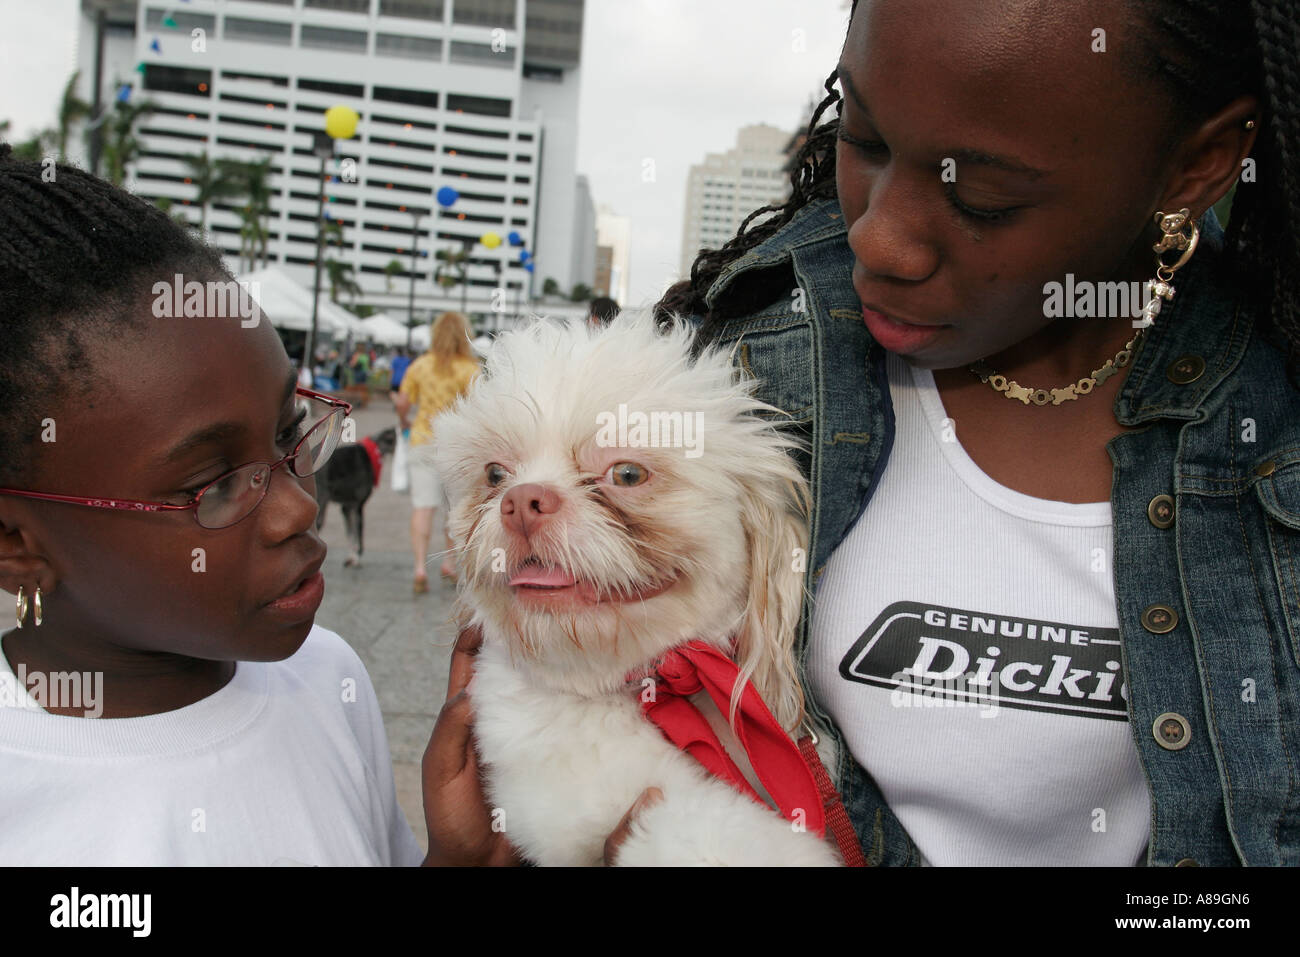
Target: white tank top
(965,641)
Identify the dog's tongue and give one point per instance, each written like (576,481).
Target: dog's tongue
(552,577)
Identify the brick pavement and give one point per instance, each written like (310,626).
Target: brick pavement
(403,639)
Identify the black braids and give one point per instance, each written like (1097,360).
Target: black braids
(1209,52)
(78,259)
(29,233)
(1279,254)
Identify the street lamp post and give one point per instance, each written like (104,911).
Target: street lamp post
(340,124)
(464,276)
(323,146)
(410,308)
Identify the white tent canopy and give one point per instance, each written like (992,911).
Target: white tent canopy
(383,329)
(288,305)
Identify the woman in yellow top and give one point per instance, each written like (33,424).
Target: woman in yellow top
(432,383)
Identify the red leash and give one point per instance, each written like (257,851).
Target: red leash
(792,774)
(837,817)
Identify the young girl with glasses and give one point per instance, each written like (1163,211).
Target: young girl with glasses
(164,695)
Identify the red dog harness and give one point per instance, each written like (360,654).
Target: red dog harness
(376,460)
(793,775)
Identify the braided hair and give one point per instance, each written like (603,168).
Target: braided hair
(1205,52)
(78,257)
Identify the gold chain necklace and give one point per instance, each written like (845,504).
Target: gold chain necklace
(1014,390)
(1179,232)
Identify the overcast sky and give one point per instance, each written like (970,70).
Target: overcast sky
(662,80)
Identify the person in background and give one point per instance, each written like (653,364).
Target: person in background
(602,311)
(432,382)
(399,365)
(359,367)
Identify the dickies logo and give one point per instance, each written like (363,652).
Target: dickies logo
(978,658)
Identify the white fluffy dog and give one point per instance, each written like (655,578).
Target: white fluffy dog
(611,499)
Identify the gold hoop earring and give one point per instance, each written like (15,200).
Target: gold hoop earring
(20,609)
(36,606)
(1180,233)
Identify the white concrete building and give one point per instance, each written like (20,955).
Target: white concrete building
(478,95)
(727,187)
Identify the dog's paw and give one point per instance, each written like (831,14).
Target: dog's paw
(352,561)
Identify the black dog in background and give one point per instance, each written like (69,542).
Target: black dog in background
(348,478)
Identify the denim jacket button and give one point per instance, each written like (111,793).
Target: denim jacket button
(1161,511)
(1185,369)
(1159,619)
(1172,732)
(1187,862)
(1265,469)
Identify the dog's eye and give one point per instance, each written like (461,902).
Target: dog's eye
(496,474)
(627,474)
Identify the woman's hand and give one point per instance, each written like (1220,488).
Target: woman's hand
(620,834)
(455,810)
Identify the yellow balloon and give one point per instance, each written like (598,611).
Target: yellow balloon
(341,122)
(490,240)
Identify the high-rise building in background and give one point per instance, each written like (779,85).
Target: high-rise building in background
(727,187)
(478,95)
(604,265)
(584,235)
(614,236)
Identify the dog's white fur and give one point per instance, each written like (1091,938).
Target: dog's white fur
(558,724)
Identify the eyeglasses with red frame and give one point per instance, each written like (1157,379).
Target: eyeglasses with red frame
(232,497)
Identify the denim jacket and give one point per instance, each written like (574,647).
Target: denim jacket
(1208,599)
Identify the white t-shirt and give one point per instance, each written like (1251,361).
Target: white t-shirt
(966,643)
(288,763)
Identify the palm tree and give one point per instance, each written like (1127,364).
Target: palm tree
(340,281)
(250,181)
(256,183)
(34,148)
(391,270)
(167,204)
(121,147)
(212,180)
(338,273)
(451,273)
(331,231)
(71,109)
(252,236)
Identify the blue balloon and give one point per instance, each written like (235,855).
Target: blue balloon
(515,239)
(524,255)
(447,195)
(528,266)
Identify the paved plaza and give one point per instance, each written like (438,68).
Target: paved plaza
(404,639)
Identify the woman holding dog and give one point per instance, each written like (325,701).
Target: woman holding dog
(1054,612)
(432,382)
